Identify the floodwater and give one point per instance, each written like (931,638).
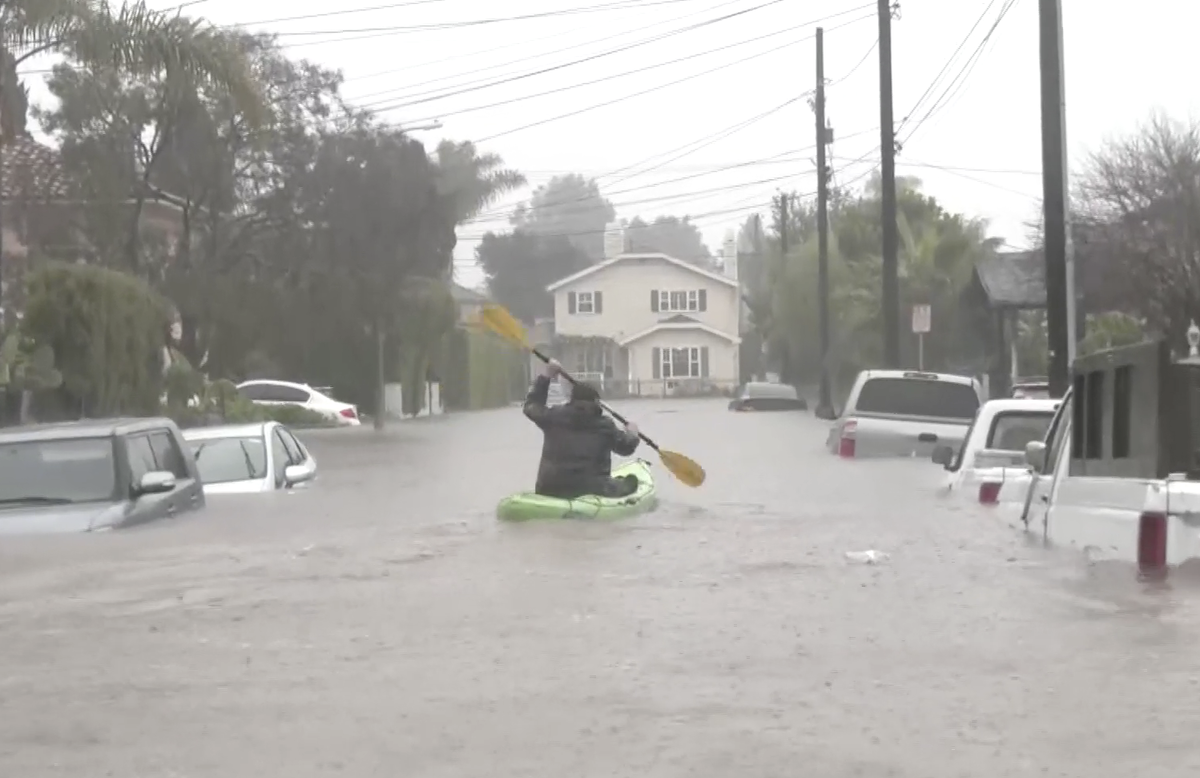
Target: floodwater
(381,623)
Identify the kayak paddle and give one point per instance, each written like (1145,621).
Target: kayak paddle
(497,319)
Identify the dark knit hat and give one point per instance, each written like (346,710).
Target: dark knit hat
(584,392)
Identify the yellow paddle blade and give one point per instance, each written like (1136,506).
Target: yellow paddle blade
(500,321)
(686,470)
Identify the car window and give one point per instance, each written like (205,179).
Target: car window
(167,455)
(957,463)
(1059,433)
(225,460)
(279,454)
(918,397)
(1011,430)
(74,470)
(294,449)
(141,456)
(279,393)
(254,391)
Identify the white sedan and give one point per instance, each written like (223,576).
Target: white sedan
(250,458)
(271,392)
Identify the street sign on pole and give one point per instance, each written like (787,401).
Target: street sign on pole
(922,321)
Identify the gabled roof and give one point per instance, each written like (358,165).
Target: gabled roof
(1013,279)
(668,326)
(600,266)
(31,171)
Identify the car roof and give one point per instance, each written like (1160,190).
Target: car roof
(292,384)
(1027,404)
(769,389)
(255,430)
(85,428)
(920,374)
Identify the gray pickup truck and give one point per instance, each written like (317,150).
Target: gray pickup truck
(904,413)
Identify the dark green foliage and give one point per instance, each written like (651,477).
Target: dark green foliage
(520,265)
(107,330)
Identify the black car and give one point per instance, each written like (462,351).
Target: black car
(763,396)
(95,475)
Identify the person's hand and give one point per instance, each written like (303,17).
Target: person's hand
(553,369)
(632,429)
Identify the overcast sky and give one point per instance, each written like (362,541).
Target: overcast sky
(717,136)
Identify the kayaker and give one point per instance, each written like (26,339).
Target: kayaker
(578,442)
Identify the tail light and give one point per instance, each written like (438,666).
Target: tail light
(989,492)
(846,443)
(1152,546)
(349,413)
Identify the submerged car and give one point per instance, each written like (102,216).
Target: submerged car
(764,396)
(94,475)
(250,458)
(270,392)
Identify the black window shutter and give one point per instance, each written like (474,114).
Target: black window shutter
(570,302)
(703,359)
(703,299)
(656,358)
(654,301)
(597,302)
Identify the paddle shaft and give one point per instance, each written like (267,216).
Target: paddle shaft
(611,412)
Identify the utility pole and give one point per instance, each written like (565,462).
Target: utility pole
(1060,265)
(824,407)
(887,167)
(785,367)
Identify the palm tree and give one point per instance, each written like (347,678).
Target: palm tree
(474,180)
(131,38)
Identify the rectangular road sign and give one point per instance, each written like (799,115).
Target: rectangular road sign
(922,316)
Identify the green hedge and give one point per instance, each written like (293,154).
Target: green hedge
(107,330)
(482,371)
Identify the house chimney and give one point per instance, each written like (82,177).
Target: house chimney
(729,255)
(614,240)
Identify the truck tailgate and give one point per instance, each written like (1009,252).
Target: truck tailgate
(903,436)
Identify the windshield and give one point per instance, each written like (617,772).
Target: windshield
(57,471)
(225,460)
(918,397)
(1013,429)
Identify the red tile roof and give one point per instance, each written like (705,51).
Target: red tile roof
(31,171)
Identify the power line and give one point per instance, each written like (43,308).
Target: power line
(676,82)
(950,61)
(955,87)
(499,82)
(434,95)
(622,5)
(857,65)
(524,43)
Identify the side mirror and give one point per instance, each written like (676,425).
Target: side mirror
(1035,455)
(156,482)
(294,475)
(943,455)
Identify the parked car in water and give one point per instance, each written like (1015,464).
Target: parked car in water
(271,392)
(250,458)
(994,443)
(1031,388)
(763,396)
(94,475)
(904,413)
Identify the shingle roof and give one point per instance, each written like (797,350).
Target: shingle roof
(31,171)
(1014,279)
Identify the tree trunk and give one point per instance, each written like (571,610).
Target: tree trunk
(380,383)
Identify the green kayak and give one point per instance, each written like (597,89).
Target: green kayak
(528,506)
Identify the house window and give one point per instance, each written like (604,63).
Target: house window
(681,362)
(585,302)
(680,301)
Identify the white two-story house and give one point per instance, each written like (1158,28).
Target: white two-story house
(648,324)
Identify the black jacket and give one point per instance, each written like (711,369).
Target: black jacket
(578,446)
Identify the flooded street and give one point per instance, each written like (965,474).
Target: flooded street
(382,623)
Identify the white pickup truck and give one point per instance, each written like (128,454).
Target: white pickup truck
(995,444)
(1115,476)
(903,413)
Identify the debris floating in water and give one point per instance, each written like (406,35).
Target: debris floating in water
(869,557)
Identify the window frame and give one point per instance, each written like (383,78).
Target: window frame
(585,297)
(691,301)
(667,363)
